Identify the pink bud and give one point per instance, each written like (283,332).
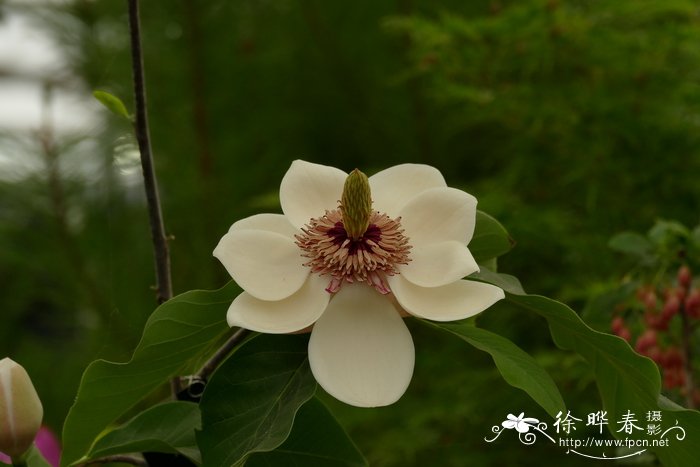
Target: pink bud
(692,304)
(671,307)
(617,324)
(649,300)
(673,358)
(645,341)
(20,409)
(670,378)
(654,353)
(625,334)
(655,321)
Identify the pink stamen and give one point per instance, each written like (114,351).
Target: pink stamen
(334,285)
(368,259)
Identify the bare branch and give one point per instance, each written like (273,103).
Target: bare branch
(160,240)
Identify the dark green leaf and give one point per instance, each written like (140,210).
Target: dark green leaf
(316,440)
(516,366)
(250,401)
(631,243)
(490,238)
(112,102)
(178,332)
(168,427)
(667,232)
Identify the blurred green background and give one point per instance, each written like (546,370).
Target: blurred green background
(569,121)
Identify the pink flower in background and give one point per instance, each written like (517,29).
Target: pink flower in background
(48,445)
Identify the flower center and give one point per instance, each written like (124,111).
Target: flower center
(354,243)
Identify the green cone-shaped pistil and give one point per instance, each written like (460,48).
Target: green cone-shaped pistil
(356,204)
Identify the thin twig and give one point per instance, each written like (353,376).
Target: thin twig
(133,460)
(221,354)
(160,240)
(164,288)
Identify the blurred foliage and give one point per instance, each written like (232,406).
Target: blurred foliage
(655,305)
(568,120)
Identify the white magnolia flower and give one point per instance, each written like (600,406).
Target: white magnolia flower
(20,409)
(350,264)
(521,423)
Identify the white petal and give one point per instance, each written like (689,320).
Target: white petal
(269,222)
(393,187)
(437,264)
(307,190)
(438,215)
(267,265)
(458,300)
(508,424)
(291,314)
(360,349)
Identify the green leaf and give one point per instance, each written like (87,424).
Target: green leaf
(176,334)
(250,401)
(626,380)
(316,440)
(516,366)
(667,232)
(167,427)
(34,458)
(490,238)
(112,102)
(505,281)
(631,243)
